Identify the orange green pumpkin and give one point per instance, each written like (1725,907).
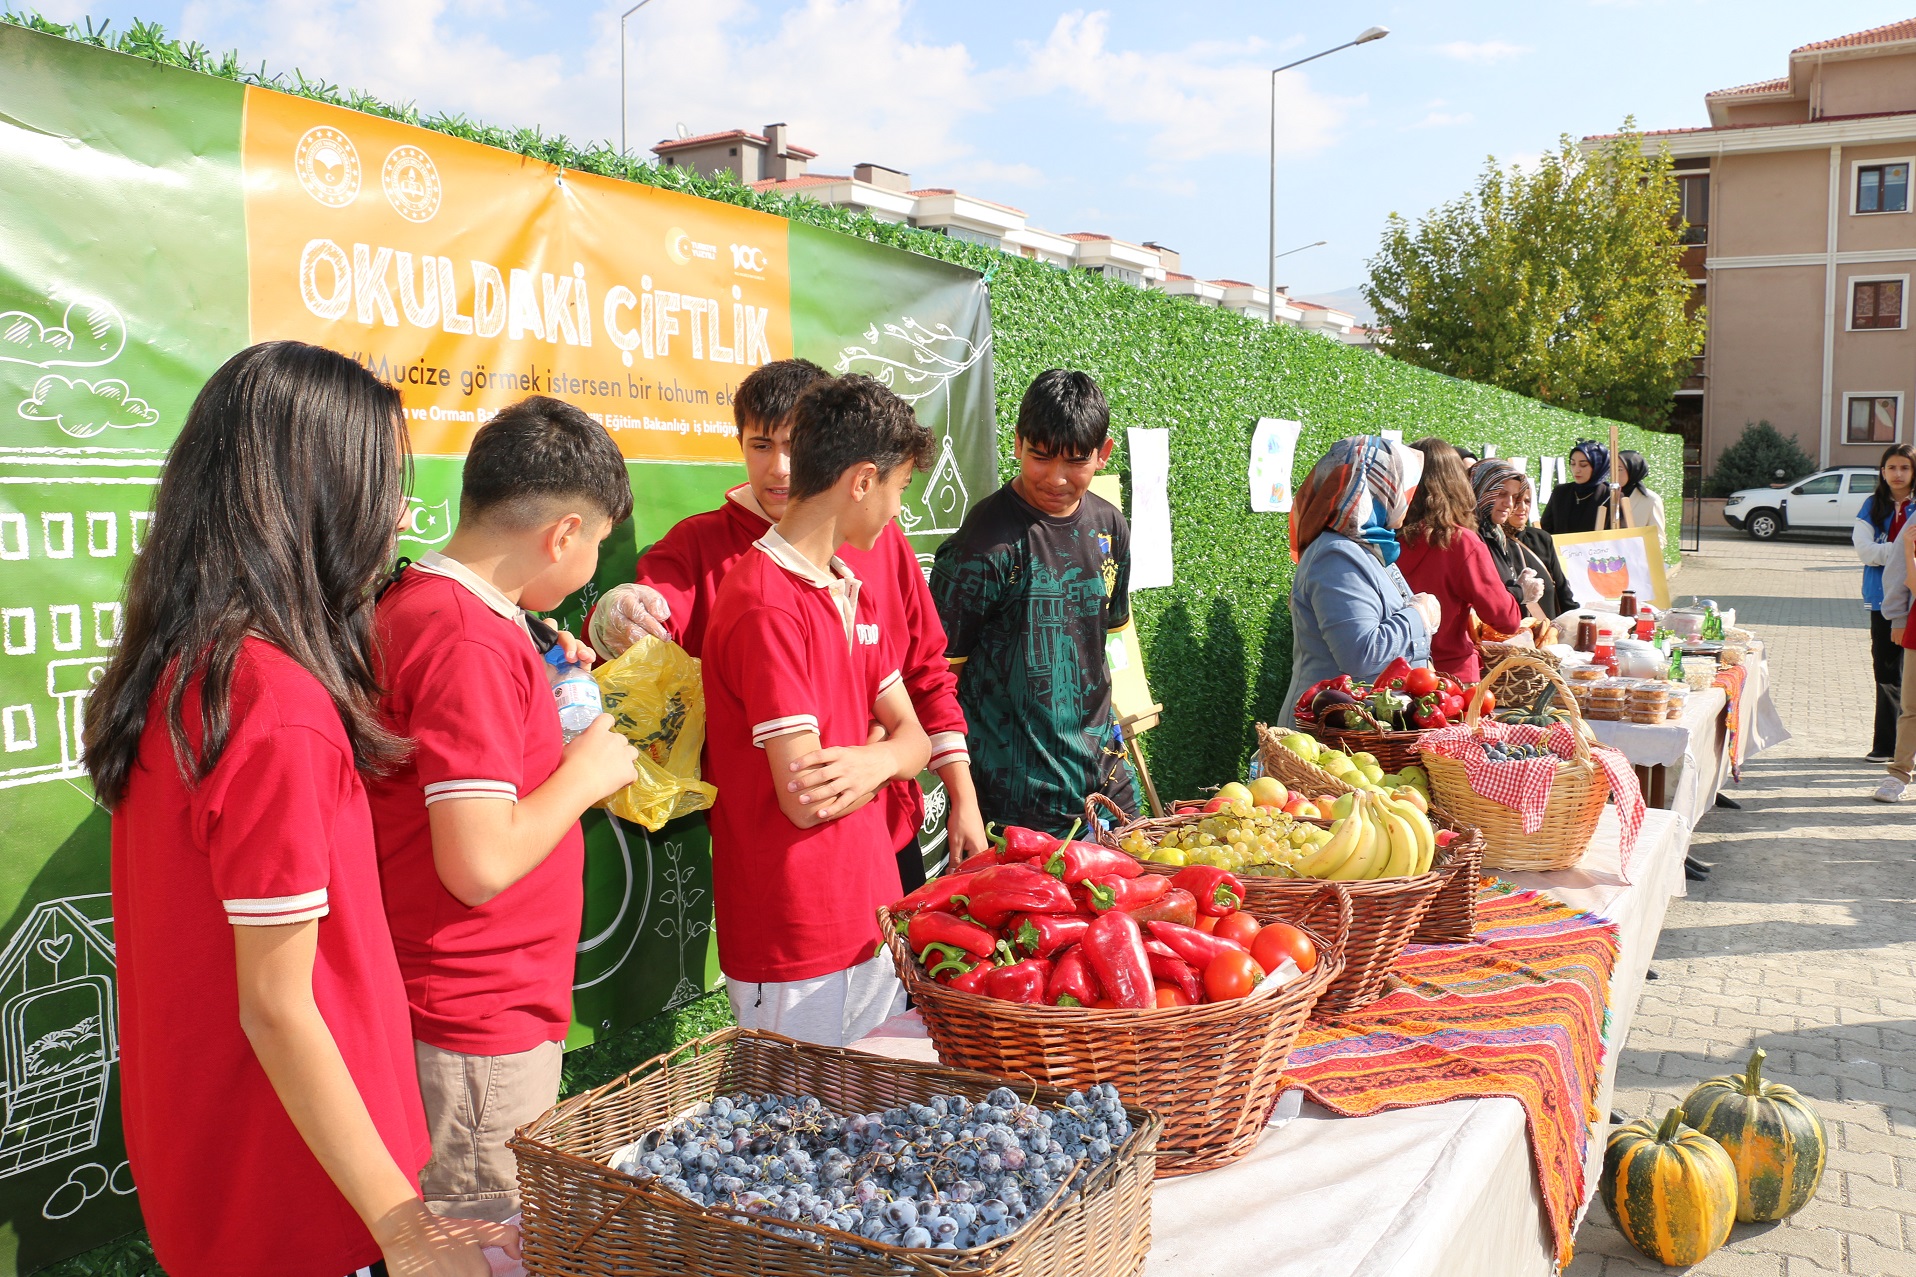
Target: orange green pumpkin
(1773,1137)
(1670,1189)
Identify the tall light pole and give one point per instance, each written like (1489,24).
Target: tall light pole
(642,3)
(1365,37)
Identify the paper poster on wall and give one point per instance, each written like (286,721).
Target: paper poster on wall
(1273,453)
(1150,507)
(1600,566)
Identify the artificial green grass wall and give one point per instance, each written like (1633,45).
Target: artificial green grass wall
(1217,642)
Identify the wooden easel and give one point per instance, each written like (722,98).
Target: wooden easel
(1131,700)
(1134,726)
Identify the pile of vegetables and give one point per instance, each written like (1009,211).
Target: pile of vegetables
(1054,922)
(1399,699)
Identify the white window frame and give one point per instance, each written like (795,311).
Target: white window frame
(1849,395)
(1855,184)
(1849,314)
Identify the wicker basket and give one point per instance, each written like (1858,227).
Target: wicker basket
(1385,912)
(584,1219)
(1522,684)
(1577,795)
(1306,778)
(1394,751)
(1452,916)
(1210,1071)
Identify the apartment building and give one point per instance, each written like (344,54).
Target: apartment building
(1802,242)
(767,161)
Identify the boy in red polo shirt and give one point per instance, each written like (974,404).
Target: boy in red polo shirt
(480,852)
(678,580)
(798,665)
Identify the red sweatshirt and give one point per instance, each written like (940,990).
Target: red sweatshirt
(1464,578)
(687,564)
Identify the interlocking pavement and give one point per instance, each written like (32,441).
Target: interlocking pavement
(1803,941)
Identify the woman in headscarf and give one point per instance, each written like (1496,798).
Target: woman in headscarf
(1574,506)
(1541,552)
(1638,507)
(1499,486)
(1352,612)
(1445,556)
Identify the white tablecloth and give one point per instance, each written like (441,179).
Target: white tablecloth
(1442,1191)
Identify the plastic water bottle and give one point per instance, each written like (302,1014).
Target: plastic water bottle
(575,690)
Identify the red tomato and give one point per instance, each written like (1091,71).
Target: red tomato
(1420,682)
(1104,1004)
(1231,975)
(1490,702)
(1208,923)
(1278,941)
(1238,926)
(1168,997)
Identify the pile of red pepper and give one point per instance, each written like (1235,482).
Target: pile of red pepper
(1401,698)
(1055,922)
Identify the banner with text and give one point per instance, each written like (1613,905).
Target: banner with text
(158,221)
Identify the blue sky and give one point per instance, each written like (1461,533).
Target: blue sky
(1144,121)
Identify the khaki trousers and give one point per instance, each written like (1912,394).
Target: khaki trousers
(473,1105)
(1903,766)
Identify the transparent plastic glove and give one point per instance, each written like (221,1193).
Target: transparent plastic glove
(1530,585)
(626,612)
(1430,609)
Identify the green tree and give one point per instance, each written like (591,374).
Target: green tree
(1761,456)
(1564,284)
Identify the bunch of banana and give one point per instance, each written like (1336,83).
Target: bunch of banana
(1382,837)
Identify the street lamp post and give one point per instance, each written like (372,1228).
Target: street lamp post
(642,3)
(1365,37)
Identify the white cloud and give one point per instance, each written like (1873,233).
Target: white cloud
(1203,99)
(1482,53)
(1443,120)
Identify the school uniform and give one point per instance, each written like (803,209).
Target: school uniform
(490,986)
(689,563)
(277,833)
(791,648)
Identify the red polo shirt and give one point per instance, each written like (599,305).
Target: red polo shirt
(688,564)
(466,685)
(277,833)
(791,649)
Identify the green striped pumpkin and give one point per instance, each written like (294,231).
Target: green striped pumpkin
(1671,1190)
(1773,1137)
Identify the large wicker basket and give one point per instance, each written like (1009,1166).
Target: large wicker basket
(1523,682)
(1385,912)
(584,1219)
(1307,778)
(1210,1071)
(1577,794)
(1394,751)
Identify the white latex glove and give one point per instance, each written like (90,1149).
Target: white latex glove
(1430,609)
(626,612)
(1530,585)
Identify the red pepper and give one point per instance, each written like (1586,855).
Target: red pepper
(1393,674)
(995,908)
(973,981)
(1021,845)
(935,896)
(983,860)
(1175,905)
(1076,861)
(944,928)
(1166,966)
(1072,984)
(1043,935)
(944,962)
(1020,982)
(1218,891)
(1453,705)
(1194,946)
(1114,947)
(1012,877)
(1110,891)
(1426,712)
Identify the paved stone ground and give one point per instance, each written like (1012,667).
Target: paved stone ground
(1803,942)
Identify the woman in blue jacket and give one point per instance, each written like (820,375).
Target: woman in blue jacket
(1874,536)
(1352,612)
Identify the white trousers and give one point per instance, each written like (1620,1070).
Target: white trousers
(831,1010)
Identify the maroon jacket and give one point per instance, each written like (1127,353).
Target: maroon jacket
(1464,579)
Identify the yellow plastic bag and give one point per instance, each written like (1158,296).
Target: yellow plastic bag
(657,702)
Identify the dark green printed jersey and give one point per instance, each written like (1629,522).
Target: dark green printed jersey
(1027,601)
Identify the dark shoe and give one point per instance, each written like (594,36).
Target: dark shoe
(1695,872)
(1724,800)
(1874,757)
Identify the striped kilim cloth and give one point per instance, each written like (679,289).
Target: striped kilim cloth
(1519,1012)
(1731,679)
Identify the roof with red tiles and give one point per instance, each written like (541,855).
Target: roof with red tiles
(1731,128)
(1886,34)
(1761,86)
(705,139)
(1085,236)
(1231,283)
(799,183)
(946,190)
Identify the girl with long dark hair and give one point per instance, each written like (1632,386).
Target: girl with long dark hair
(1444,556)
(1874,536)
(1574,506)
(268,1086)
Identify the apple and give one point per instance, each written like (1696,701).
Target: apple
(1301,745)
(1267,791)
(1335,761)
(1412,795)
(1235,792)
(1366,760)
(1216,805)
(1445,837)
(1371,771)
(1295,804)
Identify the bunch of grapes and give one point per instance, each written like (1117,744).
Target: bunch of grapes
(947,1174)
(1234,837)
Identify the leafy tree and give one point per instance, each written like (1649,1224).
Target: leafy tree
(1564,284)
(1755,459)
